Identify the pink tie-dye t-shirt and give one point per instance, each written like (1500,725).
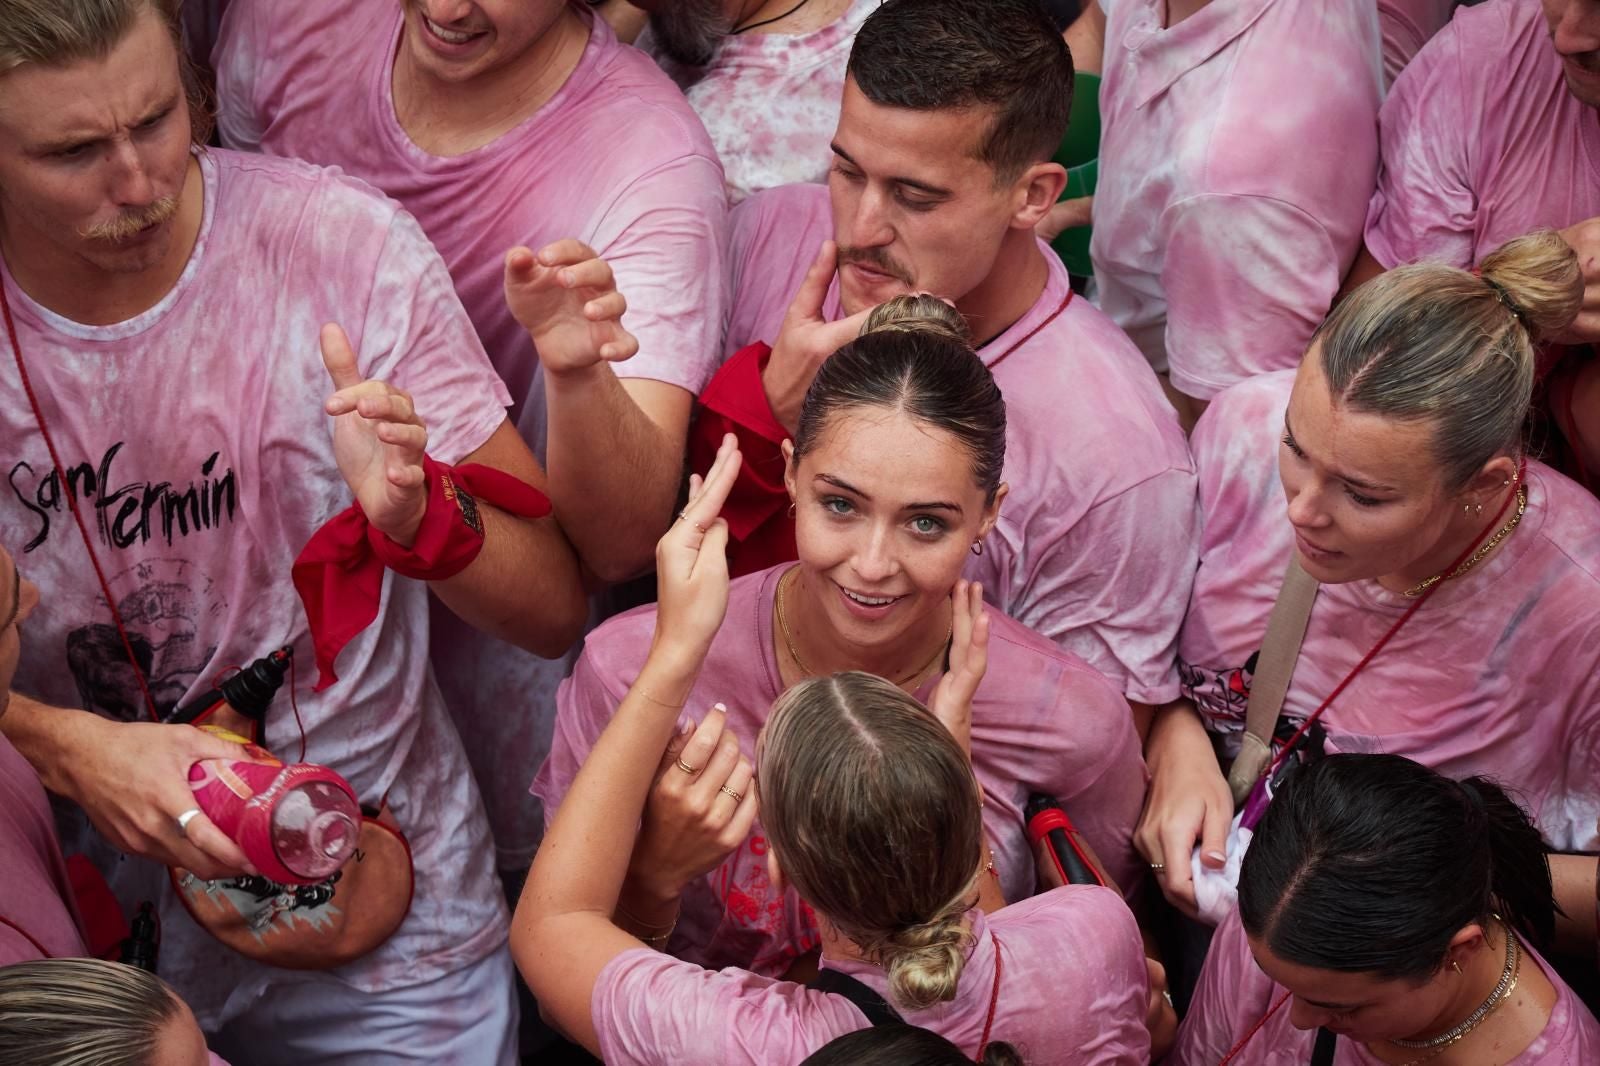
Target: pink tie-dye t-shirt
(195,439)
(615,158)
(1073,988)
(1095,543)
(37,916)
(1482,142)
(1237,155)
(1042,721)
(1498,673)
(1234,994)
(771,100)
(1407,25)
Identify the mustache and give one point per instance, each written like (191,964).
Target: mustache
(877,259)
(129,223)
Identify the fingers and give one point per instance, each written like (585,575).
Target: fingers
(588,274)
(565,252)
(670,757)
(1214,836)
(212,848)
(808,300)
(339,357)
(707,495)
(521,266)
(374,400)
(1177,840)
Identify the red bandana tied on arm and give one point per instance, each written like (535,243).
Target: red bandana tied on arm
(339,573)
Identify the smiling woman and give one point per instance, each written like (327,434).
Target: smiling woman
(895,477)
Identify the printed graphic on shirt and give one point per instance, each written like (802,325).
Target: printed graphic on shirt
(167,616)
(1221,695)
(751,903)
(124,512)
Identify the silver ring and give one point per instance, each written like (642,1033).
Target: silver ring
(185,818)
(726,791)
(1157,867)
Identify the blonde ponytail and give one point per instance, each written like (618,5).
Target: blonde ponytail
(1538,279)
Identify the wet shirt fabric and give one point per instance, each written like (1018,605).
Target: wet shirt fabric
(649,1007)
(37,916)
(197,529)
(1234,993)
(1237,150)
(1094,547)
(1042,721)
(771,100)
(1482,142)
(615,158)
(1498,673)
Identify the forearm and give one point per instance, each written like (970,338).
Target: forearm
(614,472)
(1176,735)
(523,587)
(1574,879)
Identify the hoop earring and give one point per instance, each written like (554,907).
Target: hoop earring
(977,546)
(791,508)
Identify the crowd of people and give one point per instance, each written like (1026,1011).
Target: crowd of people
(663,458)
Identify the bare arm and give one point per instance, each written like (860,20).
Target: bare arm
(1576,880)
(1188,801)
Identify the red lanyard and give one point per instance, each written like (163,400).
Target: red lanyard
(994,995)
(1051,317)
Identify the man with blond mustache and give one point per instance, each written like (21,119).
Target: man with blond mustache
(172,441)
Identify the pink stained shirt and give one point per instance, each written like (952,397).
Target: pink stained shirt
(1073,989)
(771,100)
(616,159)
(1498,673)
(1234,993)
(1042,721)
(1482,142)
(38,919)
(1237,153)
(1407,25)
(195,436)
(1095,543)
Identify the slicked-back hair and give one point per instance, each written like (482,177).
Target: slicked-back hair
(1002,56)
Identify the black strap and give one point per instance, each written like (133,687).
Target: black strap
(1322,1050)
(868,1002)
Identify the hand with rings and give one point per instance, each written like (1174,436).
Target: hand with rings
(700,808)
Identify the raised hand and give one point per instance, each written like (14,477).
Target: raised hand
(969,658)
(566,298)
(693,820)
(378,441)
(806,339)
(692,563)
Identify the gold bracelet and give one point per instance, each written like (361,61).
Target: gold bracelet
(678,706)
(655,940)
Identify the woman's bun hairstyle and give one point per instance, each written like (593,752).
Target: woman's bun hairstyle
(1541,279)
(919,313)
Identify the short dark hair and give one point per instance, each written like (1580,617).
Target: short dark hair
(1372,863)
(937,55)
(905,1045)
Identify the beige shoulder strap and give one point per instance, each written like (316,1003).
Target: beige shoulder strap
(1280,649)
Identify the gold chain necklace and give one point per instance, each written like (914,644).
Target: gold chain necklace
(794,653)
(1507,984)
(1477,557)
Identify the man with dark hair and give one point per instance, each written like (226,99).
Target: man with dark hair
(941,170)
(764,75)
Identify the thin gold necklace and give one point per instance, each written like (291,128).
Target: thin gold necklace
(1477,557)
(1502,990)
(794,653)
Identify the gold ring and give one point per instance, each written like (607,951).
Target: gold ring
(686,768)
(684,515)
(1157,867)
(726,791)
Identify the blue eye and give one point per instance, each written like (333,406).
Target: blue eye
(836,505)
(927,525)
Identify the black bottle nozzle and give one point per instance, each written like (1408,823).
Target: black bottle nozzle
(248,691)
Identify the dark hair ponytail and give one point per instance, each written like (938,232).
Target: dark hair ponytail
(913,355)
(905,1045)
(1372,863)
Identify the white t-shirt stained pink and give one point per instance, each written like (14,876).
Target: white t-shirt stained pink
(1482,142)
(1042,721)
(1407,25)
(1498,673)
(1073,989)
(1095,543)
(195,436)
(1234,993)
(38,919)
(1237,152)
(771,100)
(616,159)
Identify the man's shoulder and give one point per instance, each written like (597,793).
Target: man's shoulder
(271,190)
(645,116)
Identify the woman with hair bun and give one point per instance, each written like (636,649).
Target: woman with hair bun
(1456,617)
(895,475)
(1390,915)
(872,813)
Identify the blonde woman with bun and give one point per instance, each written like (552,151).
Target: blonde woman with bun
(1392,466)
(873,818)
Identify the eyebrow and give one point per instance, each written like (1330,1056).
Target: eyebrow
(934,505)
(1343,1008)
(1349,479)
(74,140)
(912,183)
